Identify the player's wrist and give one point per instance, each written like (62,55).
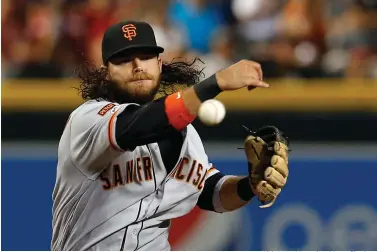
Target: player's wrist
(207,89)
(244,190)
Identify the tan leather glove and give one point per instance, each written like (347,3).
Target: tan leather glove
(267,156)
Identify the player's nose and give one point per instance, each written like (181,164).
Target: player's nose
(137,65)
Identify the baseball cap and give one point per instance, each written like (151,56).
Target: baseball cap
(126,36)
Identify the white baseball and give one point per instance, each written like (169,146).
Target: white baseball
(211,112)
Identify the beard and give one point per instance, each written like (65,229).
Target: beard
(122,93)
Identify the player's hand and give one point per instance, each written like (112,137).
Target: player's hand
(244,73)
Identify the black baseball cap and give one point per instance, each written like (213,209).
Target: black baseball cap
(127,36)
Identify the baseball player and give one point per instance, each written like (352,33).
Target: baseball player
(128,162)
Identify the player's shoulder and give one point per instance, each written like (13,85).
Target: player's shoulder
(95,107)
(93,111)
(99,109)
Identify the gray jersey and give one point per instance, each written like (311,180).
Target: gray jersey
(109,199)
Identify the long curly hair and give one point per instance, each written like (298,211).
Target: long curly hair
(175,75)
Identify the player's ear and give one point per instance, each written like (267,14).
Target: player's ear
(159,63)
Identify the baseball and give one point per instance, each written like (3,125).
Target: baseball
(211,112)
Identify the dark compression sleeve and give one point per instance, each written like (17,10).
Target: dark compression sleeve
(139,125)
(205,201)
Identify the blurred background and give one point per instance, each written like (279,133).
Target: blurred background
(319,56)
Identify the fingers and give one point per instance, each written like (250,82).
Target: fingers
(275,178)
(266,192)
(281,150)
(257,83)
(258,68)
(280,165)
(276,175)
(269,204)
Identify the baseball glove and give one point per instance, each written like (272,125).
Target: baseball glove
(267,155)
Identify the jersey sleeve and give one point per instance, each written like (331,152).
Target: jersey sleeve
(211,171)
(92,135)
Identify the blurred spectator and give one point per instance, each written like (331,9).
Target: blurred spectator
(70,41)
(302,29)
(168,34)
(352,32)
(29,55)
(258,19)
(257,29)
(222,52)
(199,19)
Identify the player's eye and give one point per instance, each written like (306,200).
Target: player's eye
(120,60)
(124,59)
(147,56)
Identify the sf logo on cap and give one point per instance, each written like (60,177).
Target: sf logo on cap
(129,31)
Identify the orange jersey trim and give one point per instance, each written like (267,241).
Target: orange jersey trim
(111,132)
